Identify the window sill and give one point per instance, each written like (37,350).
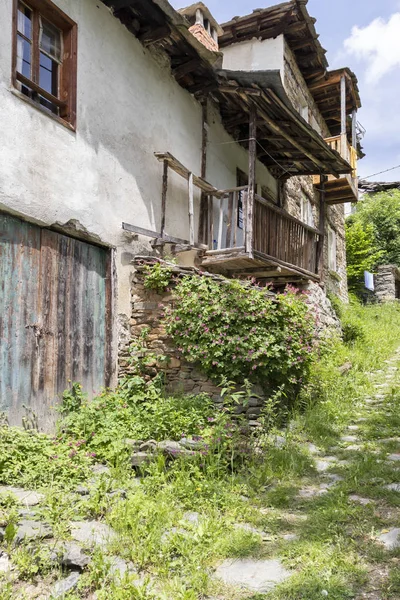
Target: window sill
(41,109)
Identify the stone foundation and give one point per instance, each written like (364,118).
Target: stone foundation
(387,283)
(181,376)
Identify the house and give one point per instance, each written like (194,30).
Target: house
(131,128)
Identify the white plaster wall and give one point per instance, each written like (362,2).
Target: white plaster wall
(105,173)
(255,55)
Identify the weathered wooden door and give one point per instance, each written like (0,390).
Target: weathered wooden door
(55,312)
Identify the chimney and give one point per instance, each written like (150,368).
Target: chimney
(203,25)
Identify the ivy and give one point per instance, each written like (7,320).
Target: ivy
(242,332)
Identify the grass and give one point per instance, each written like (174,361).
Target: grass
(334,552)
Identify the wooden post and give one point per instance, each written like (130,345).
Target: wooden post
(320,248)
(203,222)
(164,197)
(221,223)
(354,129)
(343,110)
(249,215)
(191,210)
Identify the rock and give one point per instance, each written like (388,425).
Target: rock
(174,449)
(308,493)
(91,533)
(312,448)
(192,517)
(279,441)
(149,446)
(290,537)
(192,444)
(353,428)
(393,487)
(26,497)
(32,530)
(344,369)
(134,444)
(117,493)
(65,585)
(82,490)
(349,438)
(323,465)
(5,564)
(119,567)
(360,500)
(99,469)
(394,457)
(249,528)
(74,556)
(391,539)
(256,575)
(353,448)
(141,458)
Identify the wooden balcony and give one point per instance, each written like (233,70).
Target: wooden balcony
(345,188)
(279,246)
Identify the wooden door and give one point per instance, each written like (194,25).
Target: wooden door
(55,312)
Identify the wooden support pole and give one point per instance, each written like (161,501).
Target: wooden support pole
(343,112)
(203,222)
(191,209)
(221,223)
(354,129)
(249,215)
(320,248)
(164,197)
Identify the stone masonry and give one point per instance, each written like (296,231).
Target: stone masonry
(182,376)
(387,283)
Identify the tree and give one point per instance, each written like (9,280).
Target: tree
(373,235)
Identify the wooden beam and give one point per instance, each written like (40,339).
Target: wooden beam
(320,247)
(155,235)
(203,228)
(252,178)
(151,36)
(343,104)
(191,209)
(164,197)
(354,129)
(186,68)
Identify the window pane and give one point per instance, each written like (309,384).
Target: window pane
(50,40)
(48,74)
(25,21)
(49,105)
(23,57)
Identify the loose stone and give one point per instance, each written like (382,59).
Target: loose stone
(32,530)
(394,457)
(65,585)
(74,556)
(391,539)
(360,500)
(92,533)
(26,497)
(256,575)
(393,487)
(349,438)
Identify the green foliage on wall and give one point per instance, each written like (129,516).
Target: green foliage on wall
(242,332)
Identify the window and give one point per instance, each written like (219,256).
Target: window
(331,249)
(44,57)
(306,211)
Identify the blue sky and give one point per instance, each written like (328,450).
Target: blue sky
(364,35)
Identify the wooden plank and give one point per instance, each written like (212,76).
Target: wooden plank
(343,106)
(235,209)
(155,235)
(231,224)
(203,229)
(164,197)
(179,168)
(221,223)
(210,223)
(252,179)
(320,245)
(191,209)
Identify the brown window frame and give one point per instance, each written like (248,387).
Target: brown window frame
(66,100)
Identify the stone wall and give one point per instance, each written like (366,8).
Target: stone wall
(147,313)
(387,283)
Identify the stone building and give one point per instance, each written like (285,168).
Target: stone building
(130,128)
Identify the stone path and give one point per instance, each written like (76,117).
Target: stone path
(262,576)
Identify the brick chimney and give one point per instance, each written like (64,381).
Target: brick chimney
(203,25)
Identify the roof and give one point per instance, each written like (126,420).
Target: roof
(326,92)
(373,187)
(291,19)
(287,144)
(191,10)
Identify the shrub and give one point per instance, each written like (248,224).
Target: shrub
(242,332)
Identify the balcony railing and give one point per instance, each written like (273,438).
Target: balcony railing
(346,151)
(276,237)
(344,188)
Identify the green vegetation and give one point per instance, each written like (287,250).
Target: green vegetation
(243,486)
(241,332)
(373,236)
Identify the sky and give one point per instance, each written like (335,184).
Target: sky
(365,36)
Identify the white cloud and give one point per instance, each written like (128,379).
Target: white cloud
(378,44)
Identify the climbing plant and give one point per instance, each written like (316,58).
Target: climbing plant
(241,331)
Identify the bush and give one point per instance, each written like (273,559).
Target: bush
(242,332)
(353,330)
